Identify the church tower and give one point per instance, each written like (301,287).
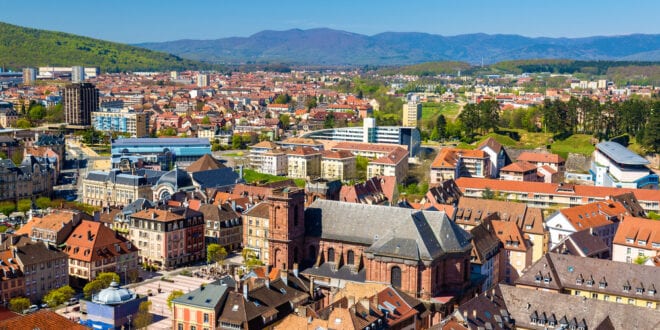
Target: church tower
(286,227)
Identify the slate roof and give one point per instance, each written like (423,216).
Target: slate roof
(389,231)
(220,177)
(583,244)
(115,176)
(207,297)
(176,178)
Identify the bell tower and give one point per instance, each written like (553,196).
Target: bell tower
(286,227)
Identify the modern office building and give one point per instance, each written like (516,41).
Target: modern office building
(370,133)
(184,150)
(202,80)
(616,166)
(77,74)
(79,101)
(29,76)
(115,120)
(412,113)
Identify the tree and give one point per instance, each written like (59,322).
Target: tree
(23,123)
(7,207)
(101,282)
(282,99)
(285,120)
(17,157)
(652,131)
(19,304)
(487,194)
(329,121)
(206,120)
(215,253)
(311,103)
(43,202)
(24,205)
(143,318)
(173,295)
(59,296)
(170,131)
(441,126)
(236,142)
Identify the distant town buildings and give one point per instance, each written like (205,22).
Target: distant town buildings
(79,101)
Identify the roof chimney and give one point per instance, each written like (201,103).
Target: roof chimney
(245,290)
(284,276)
(295,269)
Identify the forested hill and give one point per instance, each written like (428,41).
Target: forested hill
(26,47)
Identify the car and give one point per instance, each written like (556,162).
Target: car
(72,301)
(31,309)
(43,306)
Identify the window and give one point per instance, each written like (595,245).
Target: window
(331,255)
(631,301)
(594,295)
(206,318)
(577,293)
(350,257)
(180,326)
(606,298)
(640,290)
(395,277)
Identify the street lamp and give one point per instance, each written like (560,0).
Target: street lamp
(129,321)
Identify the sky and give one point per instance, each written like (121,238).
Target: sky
(164,20)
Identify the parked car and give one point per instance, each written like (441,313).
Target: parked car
(72,301)
(31,309)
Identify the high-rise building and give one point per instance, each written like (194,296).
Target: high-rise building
(77,74)
(79,101)
(29,76)
(412,113)
(202,80)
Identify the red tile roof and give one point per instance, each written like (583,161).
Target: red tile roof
(519,167)
(448,157)
(535,157)
(92,241)
(638,229)
(43,319)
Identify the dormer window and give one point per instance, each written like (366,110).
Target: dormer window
(538,278)
(590,282)
(641,242)
(546,279)
(579,280)
(630,240)
(602,284)
(639,290)
(626,287)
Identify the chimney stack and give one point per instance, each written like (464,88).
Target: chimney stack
(284,275)
(245,290)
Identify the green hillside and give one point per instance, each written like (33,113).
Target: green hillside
(25,47)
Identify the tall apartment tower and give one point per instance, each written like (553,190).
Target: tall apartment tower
(79,101)
(202,80)
(412,113)
(29,76)
(77,74)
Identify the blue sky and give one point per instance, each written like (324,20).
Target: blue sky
(162,20)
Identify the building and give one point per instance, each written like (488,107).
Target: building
(8,116)
(339,165)
(520,171)
(94,248)
(412,113)
(485,256)
(77,74)
(79,101)
(255,230)
(554,195)
(202,80)
(114,188)
(407,137)
(597,279)
(200,309)
(223,226)
(53,227)
(395,164)
(637,240)
(274,162)
(422,253)
(508,307)
(518,251)
(42,319)
(168,239)
(496,153)
(258,150)
(183,150)
(44,268)
(113,308)
(471,212)
(601,218)
(554,161)
(127,122)
(614,165)
(29,76)
(12,280)
(375,191)
(177,180)
(304,162)
(453,163)
(26,181)
(584,244)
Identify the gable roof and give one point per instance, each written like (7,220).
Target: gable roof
(392,231)
(472,211)
(644,233)
(205,163)
(537,157)
(91,241)
(42,319)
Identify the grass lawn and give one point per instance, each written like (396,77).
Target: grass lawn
(252,176)
(449,109)
(234,154)
(578,143)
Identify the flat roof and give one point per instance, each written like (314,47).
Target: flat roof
(621,154)
(161,141)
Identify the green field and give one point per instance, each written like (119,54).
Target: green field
(431,109)
(252,176)
(578,143)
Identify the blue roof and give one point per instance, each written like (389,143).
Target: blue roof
(621,154)
(172,142)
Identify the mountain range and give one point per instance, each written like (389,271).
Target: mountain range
(333,47)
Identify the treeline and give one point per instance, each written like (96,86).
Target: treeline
(25,47)
(565,66)
(636,118)
(427,69)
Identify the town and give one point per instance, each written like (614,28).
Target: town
(330,165)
